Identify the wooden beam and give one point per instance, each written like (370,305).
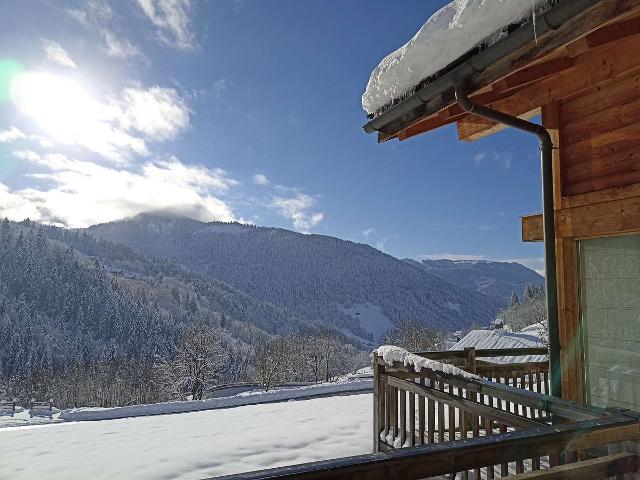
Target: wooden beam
(602,219)
(535,72)
(472,128)
(532,228)
(603,467)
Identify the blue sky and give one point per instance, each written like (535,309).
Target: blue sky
(243,110)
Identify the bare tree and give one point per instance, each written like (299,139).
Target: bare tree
(414,336)
(198,365)
(270,360)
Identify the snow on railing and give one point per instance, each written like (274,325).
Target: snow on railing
(391,354)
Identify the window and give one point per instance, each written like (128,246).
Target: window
(610,291)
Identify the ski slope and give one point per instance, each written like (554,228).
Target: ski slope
(190,445)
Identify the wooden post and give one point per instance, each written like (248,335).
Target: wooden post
(471,359)
(378,403)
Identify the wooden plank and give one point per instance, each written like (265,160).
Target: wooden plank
(601,219)
(592,67)
(612,118)
(628,176)
(602,196)
(452,417)
(441,421)
(532,228)
(403,416)
(602,467)
(552,122)
(488,428)
(412,419)
(421,412)
(619,92)
(531,74)
(484,352)
(472,127)
(378,404)
(431,422)
(623,160)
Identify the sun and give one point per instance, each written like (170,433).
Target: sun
(59,105)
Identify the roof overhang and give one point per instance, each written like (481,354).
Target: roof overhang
(520,58)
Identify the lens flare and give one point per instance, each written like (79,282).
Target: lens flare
(9,69)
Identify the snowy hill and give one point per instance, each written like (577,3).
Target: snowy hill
(497,279)
(320,278)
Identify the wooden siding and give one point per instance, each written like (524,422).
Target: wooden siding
(601,138)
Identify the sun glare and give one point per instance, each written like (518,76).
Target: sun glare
(58,104)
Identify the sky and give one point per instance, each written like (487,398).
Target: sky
(243,110)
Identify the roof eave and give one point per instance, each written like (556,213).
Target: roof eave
(439,94)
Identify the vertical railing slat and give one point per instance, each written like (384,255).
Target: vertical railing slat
(412,419)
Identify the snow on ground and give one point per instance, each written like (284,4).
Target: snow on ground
(191,445)
(448,34)
(371,319)
(501,338)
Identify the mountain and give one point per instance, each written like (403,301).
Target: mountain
(87,321)
(496,279)
(66,296)
(349,286)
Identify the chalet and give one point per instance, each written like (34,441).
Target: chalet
(576,65)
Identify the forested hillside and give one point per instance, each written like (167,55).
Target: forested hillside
(89,322)
(314,275)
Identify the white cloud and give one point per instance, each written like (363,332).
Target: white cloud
(172,19)
(10,135)
(114,128)
(119,47)
(298,209)
(260,179)
(504,158)
(220,86)
(157,112)
(81,193)
(57,54)
(97,16)
(368,232)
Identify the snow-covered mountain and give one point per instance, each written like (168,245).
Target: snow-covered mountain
(497,279)
(321,278)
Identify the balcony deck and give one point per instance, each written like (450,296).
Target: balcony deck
(482,420)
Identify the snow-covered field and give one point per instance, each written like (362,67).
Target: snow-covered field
(190,445)
(348,384)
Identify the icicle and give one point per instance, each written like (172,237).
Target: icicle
(533,13)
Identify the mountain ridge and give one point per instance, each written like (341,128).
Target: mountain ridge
(317,276)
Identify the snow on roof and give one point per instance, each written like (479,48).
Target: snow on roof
(391,353)
(502,339)
(448,34)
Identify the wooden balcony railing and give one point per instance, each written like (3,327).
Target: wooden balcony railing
(439,421)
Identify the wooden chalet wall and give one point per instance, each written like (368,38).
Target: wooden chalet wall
(596,127)
(587,91)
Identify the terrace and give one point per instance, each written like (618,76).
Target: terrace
(460,414)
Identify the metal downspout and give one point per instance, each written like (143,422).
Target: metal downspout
(546,149)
